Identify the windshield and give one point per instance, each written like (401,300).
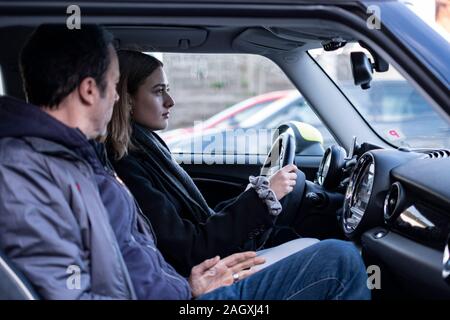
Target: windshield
(391,106)
(434,13)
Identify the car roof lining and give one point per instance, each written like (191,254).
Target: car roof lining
(257,39)
(223,39)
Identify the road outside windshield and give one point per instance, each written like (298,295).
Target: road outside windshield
(391,106)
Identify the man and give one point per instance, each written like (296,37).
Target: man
(56,198)
(53,223)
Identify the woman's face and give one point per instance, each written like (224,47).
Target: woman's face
(152,102)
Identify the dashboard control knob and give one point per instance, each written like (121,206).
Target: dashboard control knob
(317,199)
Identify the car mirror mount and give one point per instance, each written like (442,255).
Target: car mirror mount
(379,64)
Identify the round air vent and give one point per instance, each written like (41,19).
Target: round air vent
(357,199)
(394,202)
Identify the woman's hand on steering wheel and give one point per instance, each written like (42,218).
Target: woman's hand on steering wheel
(283,181)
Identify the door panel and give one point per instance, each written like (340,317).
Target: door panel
(219,182)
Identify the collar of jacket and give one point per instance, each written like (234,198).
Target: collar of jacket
(85,154)
(51,148)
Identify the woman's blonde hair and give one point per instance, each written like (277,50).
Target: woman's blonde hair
(135,67)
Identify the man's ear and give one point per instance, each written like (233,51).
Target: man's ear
(88,91)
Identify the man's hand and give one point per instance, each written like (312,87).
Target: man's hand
(283,181)
(215,272)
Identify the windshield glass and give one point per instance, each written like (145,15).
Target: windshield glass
(434,13)
(391,106)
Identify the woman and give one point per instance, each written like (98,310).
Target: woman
(188,231)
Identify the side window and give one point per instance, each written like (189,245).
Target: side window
(230,104)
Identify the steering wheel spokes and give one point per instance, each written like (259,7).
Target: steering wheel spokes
(281,154)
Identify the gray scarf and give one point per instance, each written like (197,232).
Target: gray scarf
(166,168)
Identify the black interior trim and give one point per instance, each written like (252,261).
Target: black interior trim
(429,177)
(417,268)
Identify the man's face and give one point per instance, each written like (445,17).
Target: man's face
(104,108)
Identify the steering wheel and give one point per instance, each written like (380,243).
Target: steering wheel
(281,154)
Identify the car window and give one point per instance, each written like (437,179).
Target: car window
(244,114)
(230,104)
(391,106)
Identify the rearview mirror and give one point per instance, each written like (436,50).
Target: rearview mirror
(362,69)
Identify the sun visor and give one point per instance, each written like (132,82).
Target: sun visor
(262,41)
(159,38)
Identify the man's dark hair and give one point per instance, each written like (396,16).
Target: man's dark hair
(55,60)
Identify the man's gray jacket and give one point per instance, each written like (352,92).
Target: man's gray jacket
(53,224)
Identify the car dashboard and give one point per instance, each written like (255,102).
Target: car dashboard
(397,208)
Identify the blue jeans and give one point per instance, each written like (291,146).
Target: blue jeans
(330,269)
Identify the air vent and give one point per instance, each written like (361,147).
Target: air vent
(394,202)
(438,154)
